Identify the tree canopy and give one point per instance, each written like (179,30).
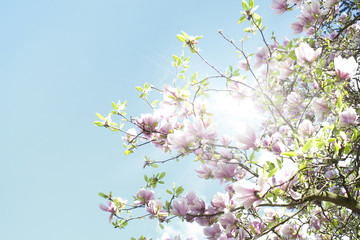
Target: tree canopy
(307,90)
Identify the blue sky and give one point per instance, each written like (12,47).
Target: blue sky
(62,61)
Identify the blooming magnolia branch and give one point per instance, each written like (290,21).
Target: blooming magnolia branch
(294,176)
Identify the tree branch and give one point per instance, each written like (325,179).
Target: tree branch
(334,198)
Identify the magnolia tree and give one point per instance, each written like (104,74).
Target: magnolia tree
(308,91)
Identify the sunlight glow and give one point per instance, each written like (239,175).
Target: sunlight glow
(231,114)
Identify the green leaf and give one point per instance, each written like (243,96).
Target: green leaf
(279,163)
(251,3)
(153,103)
(252,156)
(256,16)
(99,124)
(146,178)
(336,146)
(245,5)
(272,172)
(168,191)
(248,29)
(103,195)
(194,76)
(320,145)
(354,136)
(100,116)
(185,34)
(289,154)
(308,145)
(181,38)
(154,165)
(347,148)
(339,103)
(115,106)
(241,19)
(139,88)
(127,152)
(296,144)
(179,190)
(162,175)
(161,226)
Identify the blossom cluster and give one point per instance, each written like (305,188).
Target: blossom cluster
(295,175)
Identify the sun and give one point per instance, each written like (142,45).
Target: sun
(232,115)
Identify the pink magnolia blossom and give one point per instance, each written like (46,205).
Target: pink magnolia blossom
(248,139)
(287,177)
(345,68)
(261,57)
(269,215)
(212,232)
(248,193)
(279,6)
(226,140)
(175,96)
(310,12)
(295,1)
(286,41)
(315,222)
(306,128)
(180,140)
(200,128)
(242,234)
(297,27)
(343,16)
(130,135)
(289,230)
(305,54)
(278,147)
(258,226)
(321,108)
(154,207)
(207,221)
(143,196)
(110,207)
(348,117)
(219,201)
(309,31)
(331,174)
(286,67)
(226,170)
(244,64)
(196,204)
(205,172)
(227,220)
(330,3)
(180,207)
(148,124)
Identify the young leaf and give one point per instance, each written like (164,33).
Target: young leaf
(99,124)
(241,19)
(181,38)
(272,172)
(100,116)
(103,195)
(289,154)
(308,145)
(245,5)
(251,3)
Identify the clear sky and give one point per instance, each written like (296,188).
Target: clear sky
(62,61)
